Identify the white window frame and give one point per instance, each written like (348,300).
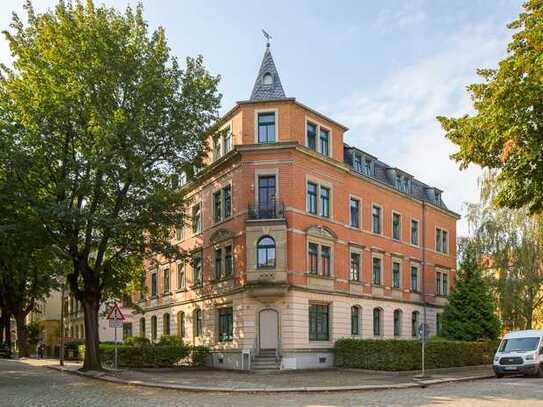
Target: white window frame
(419,279)
(411,231)
(360,252)
(398,261)
(382,215)
(392,226)
(377,256)
(360,217)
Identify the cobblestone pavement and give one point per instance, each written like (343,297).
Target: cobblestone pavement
(24,385)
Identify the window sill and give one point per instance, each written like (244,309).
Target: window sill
(196,286)
(217,223)
(356,282)
(181,290)
(220,280)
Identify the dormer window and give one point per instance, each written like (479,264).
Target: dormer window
(318,138)
(403,183)
(368,167)
(267,79)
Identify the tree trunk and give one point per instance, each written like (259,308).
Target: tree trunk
(92,360)
(22,335)
(7,328)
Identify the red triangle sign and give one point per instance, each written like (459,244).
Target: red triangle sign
(115,313)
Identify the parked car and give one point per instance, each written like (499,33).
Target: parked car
(5,352)
(520,352)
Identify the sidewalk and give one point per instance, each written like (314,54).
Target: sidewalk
(203,380)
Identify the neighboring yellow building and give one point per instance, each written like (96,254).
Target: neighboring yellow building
(47,314)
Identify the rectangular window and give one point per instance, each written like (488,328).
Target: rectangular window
(326,260)
(442,283)
(318,322)
(439,283)
(357,162)
(354,207)
(414,279)
(228,261)
(196,219)
(325,141)
(127,330)
(325,202)
(439,241)
(180,276)
(396,274)
(198,323)
(445,244)
(216,149)
(266,128)
(355,321)
(442,241)
(396,226)
(368,167)
(445,288)
(376,280)
(313,253)
(154,285)
(166,281)
(218,264)
(227,141)
(312,136)
(180,232)
(376,219)
(217,206)
(414,232)
(197,268)
(227,201)
(226,324)
(312,198)
(355,267)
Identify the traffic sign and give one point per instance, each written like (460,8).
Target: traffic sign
(115,313)
(423,332)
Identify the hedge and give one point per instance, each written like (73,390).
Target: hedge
(400,355)
(150,355)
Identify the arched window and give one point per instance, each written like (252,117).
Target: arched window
(142,327)
(153,328)
(197,323)
(166,324)
(267,79)
(265,252)
(397,322)
(355,320)
(181,324)
(377,322)
(414,323)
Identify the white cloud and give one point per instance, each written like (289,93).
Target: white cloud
(396,121)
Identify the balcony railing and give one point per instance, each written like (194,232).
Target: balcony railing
(266,210)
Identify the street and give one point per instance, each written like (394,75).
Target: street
(23,385)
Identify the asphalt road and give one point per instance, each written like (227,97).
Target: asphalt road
(23,385)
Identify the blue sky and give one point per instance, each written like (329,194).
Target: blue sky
(385,69)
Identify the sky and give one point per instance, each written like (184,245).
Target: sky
(385,69)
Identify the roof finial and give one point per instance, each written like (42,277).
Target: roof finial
(268,38)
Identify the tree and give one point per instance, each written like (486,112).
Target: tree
(98,118)
(505,133)
(470,314)
(510,241)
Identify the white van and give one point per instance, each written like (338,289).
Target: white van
(520,352)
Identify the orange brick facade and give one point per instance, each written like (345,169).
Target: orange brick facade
(276,300)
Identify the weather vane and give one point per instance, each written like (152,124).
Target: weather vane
(268,38)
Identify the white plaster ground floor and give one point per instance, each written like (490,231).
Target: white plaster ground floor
(238,327)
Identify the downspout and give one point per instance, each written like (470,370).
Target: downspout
(423,262)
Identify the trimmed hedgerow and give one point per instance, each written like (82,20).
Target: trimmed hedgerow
(401,355)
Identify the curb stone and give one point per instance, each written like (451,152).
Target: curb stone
(415,384)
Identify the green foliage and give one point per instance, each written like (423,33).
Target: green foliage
(171,340)
(505,132)
(403,355)
(96,117)
(136,341)
(470,314)
(199,355)
(509,244)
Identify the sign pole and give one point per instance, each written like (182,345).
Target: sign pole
(423,342)
(115,346)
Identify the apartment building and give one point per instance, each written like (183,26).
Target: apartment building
(297,239)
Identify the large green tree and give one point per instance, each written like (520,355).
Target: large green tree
(506,131)
(509,243)
(470,314)
(99,118)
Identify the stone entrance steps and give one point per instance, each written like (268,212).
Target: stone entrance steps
(266,361)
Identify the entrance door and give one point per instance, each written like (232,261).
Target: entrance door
(269,329)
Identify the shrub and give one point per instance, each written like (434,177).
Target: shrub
(144,355)
(199,355)
(171,340)
(136,341)
(399,355)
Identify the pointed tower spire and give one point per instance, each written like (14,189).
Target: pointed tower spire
(267,85)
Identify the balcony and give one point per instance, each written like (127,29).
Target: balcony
(267,211)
